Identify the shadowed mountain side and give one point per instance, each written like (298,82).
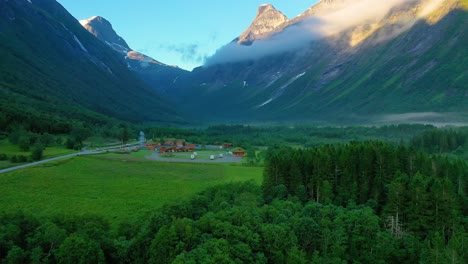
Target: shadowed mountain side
(50,59)
(417,69)
(161,77)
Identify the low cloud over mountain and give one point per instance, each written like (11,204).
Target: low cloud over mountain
(325,19)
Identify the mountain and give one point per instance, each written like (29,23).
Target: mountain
(267,20)
(156,74)
(341,61)
(53,69)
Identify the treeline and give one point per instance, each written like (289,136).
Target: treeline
(229,224)
(308,136)
(423,194)
(55,120)
(442,141)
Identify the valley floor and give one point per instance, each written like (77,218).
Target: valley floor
(118,187)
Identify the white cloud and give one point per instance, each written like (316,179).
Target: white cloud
(300,35)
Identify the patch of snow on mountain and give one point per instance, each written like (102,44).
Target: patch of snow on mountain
(118,47)
(274,78)
(265,103)
(107,68)
(79,43)
(280,91)
(292,80)
(84,22)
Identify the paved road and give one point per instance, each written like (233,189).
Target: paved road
(85,152)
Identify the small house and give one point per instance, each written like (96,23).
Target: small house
(150,147)
(190,147)
(227,145)
(169,143)
(238,152)
(181,149)
(162,150)
(153,146)
(180,143)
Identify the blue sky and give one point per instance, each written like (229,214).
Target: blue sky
(179,32)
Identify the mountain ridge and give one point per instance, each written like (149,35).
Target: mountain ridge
(268,19)
(395,65)
(50,61)
(158,75)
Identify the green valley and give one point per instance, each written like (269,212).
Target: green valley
(113,186)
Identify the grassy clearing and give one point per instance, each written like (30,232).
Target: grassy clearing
(117,187)
(9,149)
(52,151)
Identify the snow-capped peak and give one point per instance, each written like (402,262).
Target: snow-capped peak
(84,22)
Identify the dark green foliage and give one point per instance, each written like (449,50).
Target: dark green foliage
(303,135)
(412,192)
(233,224)
(18,159)
(453,141)
(125,135)
(78,248)
(37,151)
(361,202)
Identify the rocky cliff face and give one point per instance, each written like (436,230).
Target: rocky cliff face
(102,29)
(267,20)
(156,74)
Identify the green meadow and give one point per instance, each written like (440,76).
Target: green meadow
(9,149)
(118,187)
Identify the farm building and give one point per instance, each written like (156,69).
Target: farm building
(169,143)
(162,150)
(167,149)
(181,149)
(153,146)
(190,147)
(238,152)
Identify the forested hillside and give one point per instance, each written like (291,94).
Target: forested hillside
(53,73)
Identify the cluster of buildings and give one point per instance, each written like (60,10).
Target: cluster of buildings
(174,145)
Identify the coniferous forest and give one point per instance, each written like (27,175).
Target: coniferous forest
(361,202)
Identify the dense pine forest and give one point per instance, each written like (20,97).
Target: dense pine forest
(359,202)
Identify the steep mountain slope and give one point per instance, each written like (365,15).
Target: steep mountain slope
(410,57)
(158,75)
(52,68)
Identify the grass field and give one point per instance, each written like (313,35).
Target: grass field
(9,149)
(116,186)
